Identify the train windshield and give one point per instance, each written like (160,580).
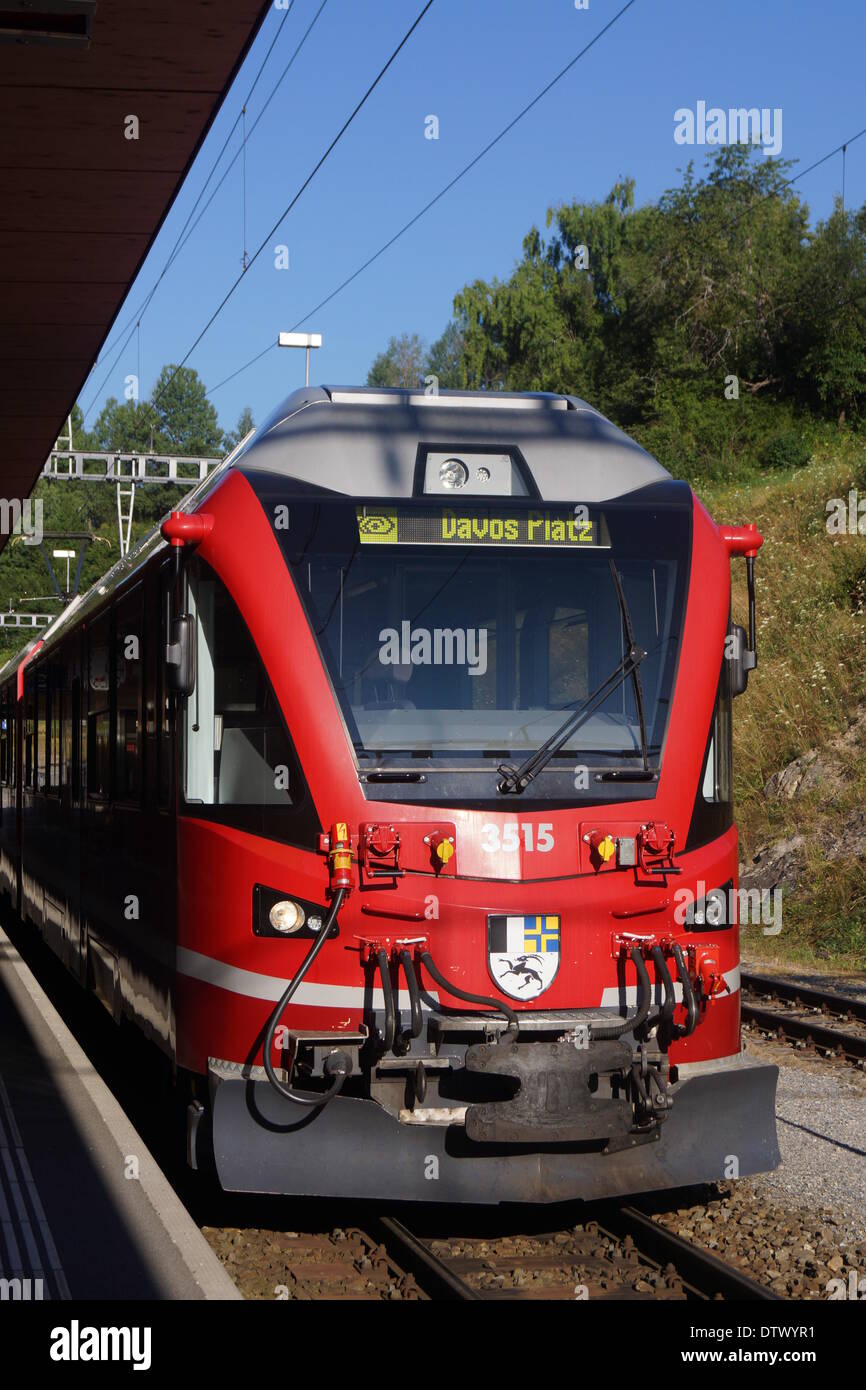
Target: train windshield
(461,636)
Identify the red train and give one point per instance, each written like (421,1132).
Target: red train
(387,788)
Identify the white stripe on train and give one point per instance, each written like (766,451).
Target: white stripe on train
(255,986)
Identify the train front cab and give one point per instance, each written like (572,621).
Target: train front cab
(522,996)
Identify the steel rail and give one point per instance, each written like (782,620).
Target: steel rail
(700,1270)
(432,1274)
(852,1045)
(841,1004)
(703,1275)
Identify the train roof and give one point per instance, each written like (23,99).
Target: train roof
(368,441)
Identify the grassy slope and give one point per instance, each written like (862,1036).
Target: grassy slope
(810,680)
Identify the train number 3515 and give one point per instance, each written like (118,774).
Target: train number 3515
(509,841)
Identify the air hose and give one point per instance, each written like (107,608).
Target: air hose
(663,974)
(338,1066)
(493,1004)
(689,999)
(616,1030)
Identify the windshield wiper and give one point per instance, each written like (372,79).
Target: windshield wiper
(517,779)
(629,636)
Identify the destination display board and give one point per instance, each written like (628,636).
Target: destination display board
(549,527)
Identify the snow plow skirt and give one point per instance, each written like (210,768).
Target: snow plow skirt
(722,1125)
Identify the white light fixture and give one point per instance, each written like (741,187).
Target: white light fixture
(286,916)
(66,555)
(301,340)
(453,474)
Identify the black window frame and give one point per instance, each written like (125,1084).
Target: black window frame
(97,708)
(131,596)
(297,824)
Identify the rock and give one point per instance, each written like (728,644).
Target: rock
(849,840)
(802,775)
(814,769)
(775,865)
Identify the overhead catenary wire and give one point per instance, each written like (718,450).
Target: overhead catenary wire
(370,260)
(183,235)
(408,225)
(237,153)
(467,167)
(171,256)
(307,181)
(441,194)
(772,193)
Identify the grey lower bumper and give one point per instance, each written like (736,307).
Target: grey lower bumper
(722,1125)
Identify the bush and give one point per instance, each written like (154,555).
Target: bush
(787,450)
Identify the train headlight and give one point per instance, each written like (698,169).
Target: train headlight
(453,474)
(286,916)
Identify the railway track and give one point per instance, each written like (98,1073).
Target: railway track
(622,1255)
(801,1013)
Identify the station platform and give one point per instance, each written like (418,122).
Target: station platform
(72,1221)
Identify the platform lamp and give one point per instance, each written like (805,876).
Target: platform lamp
(301,340)
(66,555)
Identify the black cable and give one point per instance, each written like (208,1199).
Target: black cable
(495,1004)
(624,1025)
(465,170)
(390,1032)
(340,1077)
(382,249)
(414,996)
(175,251)
(307,181)
(664,975)
(236,155)
(226,379)
(183,235)
(688,993)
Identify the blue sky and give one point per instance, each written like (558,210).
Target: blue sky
(473,64)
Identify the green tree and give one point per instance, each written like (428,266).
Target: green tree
(244,425)
(185,418)
(401,364)
(652,312)
(445,359)
(828,340)
(127,427)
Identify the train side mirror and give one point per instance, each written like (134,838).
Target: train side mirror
(742,659)
(180,655)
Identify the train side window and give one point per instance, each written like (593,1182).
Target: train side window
(128,656)
(716,784)
(41,726)
(164,711)
(713,810)
(99,710)
(5,736)
(12,735)
(150,694)
(67,723)
(239,759)
(59,697)
(29,728)
(237,749)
